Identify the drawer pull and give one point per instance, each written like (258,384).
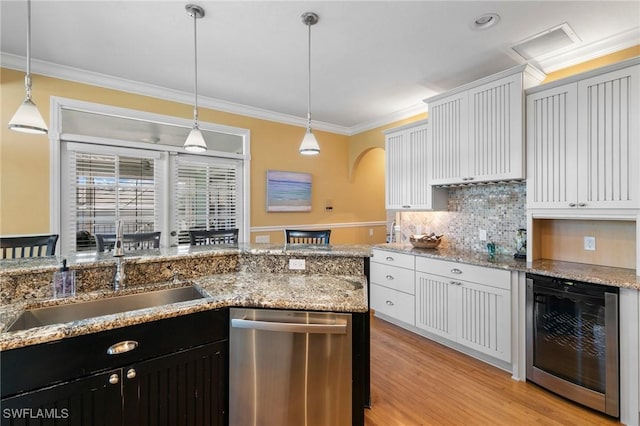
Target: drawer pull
(582,204)
(389,258)
(389,302)
(114,379)
(455,283)
(456,271)
(390,277)
(572,204)
(122,347)
(131,373)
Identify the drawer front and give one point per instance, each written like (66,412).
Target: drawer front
(499,278)
(393,258)
(395,304)
(400,279)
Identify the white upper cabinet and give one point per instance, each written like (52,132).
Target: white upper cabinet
(407,170)
(477,130)
(583,141)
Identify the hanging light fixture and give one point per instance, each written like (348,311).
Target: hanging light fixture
(28,119)
(195,141)
(309,145)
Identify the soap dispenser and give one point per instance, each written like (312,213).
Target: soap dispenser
(64,281)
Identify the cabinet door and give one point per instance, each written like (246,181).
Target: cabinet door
(187,387)
(436,305)
(484,319)
(397,151)
(608,135)
(552,148)
(418,185)
(496,140)
(449,138)
(91,400)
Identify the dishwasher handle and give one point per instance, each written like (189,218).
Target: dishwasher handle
(291,327)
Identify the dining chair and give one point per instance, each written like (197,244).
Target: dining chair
(28,246)
(200,237)
(294,236)
(139,241)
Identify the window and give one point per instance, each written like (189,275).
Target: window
(206,194)
(105,166)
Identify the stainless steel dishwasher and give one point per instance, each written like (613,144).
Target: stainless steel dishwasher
(289,368)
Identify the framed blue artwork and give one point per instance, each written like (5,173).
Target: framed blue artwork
(288,191)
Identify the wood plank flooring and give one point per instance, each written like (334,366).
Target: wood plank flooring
(415,381)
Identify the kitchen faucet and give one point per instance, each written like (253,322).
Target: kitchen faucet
(118,253)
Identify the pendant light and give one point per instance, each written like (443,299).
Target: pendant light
(195,141)
(28,119)
(309,145)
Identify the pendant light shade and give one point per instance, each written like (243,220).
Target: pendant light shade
(28,119)
(195,141)
(309,145)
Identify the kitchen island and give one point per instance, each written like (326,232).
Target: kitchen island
(334,279)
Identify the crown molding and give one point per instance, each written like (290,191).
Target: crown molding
(590,51)
(402,114)
(63,72)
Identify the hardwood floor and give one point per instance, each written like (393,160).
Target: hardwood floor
(415,381)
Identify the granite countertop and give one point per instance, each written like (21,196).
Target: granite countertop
(617,277)
(335,293)
(90,259)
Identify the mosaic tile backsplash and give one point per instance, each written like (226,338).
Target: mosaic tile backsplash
(500,209)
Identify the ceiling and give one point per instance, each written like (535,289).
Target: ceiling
(372,62)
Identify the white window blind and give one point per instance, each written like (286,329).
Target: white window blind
(208,195)
(105,186)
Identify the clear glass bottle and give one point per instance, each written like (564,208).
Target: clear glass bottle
(64,281)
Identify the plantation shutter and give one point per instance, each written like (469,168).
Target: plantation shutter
(106,184)
(207,195)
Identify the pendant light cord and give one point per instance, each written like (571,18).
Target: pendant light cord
(309,79)
(27,78)
(195,56)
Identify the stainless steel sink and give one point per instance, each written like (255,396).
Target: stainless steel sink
(82,310)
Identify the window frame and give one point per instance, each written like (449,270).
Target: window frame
(57,138)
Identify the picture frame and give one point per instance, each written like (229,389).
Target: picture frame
(288,191)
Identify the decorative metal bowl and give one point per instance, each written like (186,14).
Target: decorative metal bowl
(425,241)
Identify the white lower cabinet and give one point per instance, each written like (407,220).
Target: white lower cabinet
(392,285)
(474,315)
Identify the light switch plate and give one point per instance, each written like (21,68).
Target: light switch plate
(297,264)
(590,243)
(263,239)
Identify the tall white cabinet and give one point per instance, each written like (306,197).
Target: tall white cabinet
(407,185)
(477,130)
(583,140)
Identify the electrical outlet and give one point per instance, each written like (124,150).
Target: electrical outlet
(371,232)
(590,243)
(263,239)
(482,234)
(297,264)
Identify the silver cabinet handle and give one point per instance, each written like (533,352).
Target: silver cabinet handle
(456,271)
(470,178)
(406,207)
(572,204)
(582,204)
(131,373)
(455,283)
(389,258)
(122,347)
(340,326)
(389,302)
(464,178)
(390,277)
(114,379)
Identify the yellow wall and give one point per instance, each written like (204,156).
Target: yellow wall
(24,163)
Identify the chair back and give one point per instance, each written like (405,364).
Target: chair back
(294,236)
(28,246)
(201,237)
(140,241)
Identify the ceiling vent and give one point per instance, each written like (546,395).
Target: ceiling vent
(547,42)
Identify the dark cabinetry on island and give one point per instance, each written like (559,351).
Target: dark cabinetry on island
(171,371)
